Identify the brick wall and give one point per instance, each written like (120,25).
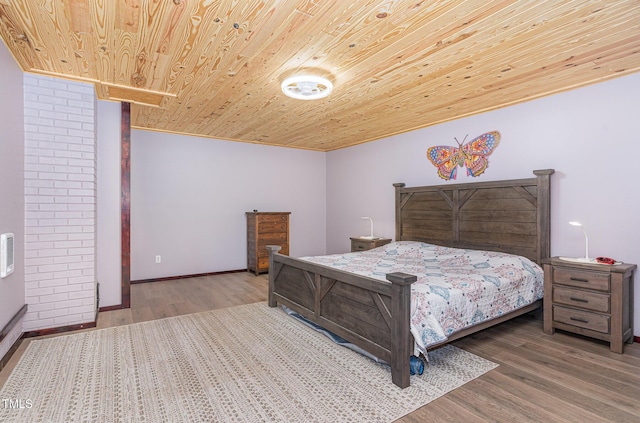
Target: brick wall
(60,202)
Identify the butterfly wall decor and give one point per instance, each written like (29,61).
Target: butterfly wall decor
(473,155)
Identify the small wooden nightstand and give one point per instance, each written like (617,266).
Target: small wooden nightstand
(594,300)
(363,244)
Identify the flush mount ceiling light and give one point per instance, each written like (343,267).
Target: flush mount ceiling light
(306,87)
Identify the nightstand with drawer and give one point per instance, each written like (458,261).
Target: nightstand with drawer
(589,299)
(364,244)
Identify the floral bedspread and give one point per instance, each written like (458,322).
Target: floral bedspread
(456,288)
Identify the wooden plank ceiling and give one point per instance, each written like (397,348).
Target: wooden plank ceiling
(213,68)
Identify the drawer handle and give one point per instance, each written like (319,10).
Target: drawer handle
(580,300)
(577,319)
(579,279)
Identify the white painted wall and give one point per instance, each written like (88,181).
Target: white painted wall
(108,206)
(189,197)
(11,189)
(589,136)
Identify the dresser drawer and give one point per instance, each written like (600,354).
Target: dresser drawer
(582,319)
(581,279)
(273,226)
(263,263)
(264,252)
(583,299)
(273,218)
(272,238)
(360,245)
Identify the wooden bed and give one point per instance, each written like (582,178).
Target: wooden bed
(510,216)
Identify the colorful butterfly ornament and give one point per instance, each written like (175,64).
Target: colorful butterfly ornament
(473,155)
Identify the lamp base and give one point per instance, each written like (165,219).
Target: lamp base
(369,237)
(579,259)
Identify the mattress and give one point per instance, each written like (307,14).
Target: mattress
(456,288)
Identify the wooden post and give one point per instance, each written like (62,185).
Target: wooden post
(547,320)
(272,274)
(401,344)
(125,204)
(543,213)
(398,186)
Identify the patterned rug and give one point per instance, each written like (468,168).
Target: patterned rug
(249,363)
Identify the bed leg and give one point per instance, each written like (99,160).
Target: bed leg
(400,327)
(272,275)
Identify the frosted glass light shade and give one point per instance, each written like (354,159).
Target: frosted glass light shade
(306,87)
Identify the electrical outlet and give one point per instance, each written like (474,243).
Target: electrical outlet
(158,259)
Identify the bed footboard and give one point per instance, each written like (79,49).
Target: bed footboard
(369,313)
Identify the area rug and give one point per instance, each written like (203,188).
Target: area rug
(249,363)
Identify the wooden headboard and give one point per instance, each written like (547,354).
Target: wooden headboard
(510,216)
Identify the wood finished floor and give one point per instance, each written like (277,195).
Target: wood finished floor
(541,378)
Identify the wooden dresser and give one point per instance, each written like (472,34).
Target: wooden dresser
(265,228)
(594,300)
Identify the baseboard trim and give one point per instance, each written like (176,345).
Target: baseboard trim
(112,307)
(170,278)
(14,320)
(60,329)
(4,360)
(7,330)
